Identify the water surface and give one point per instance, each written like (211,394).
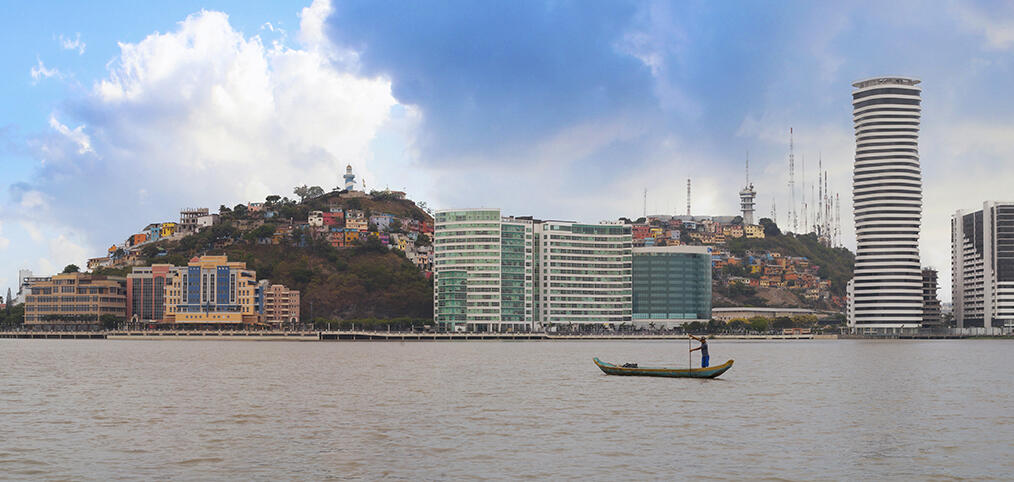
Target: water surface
(92,409)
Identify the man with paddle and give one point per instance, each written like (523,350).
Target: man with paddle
(703,348)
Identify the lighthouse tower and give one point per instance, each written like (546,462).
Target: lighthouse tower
(350,179)
(746,197)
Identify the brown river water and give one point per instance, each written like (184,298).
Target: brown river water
(803,410)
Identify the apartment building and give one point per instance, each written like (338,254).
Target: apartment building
(74,301)
(982,265)
(278,304)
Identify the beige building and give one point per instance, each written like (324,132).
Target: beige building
(211,290)
(281,305)
(75,301)
(753,231)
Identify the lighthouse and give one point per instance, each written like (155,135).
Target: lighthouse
(350,179)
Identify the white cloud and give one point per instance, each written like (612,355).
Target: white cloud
(75,43)
(996,24)
(201,115)
(77,135)
(4,242)
(40,71)
(311,23)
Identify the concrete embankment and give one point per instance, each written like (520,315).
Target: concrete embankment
(371,336)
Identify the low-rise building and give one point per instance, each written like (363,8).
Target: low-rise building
(280,304)
(753,231)
(75,301)
(211,290)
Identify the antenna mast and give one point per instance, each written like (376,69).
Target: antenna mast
(645,204)
(806,222)
(688,196)
(792,185)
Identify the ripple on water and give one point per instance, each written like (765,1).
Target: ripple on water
(798,410)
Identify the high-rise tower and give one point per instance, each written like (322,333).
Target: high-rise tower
(887,199)
(747,195)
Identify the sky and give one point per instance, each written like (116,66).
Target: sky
(115,115)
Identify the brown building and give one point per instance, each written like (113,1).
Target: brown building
(75,301)
(146,293)
(930,302)
(281,305)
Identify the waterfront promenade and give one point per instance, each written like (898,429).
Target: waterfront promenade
(363,335)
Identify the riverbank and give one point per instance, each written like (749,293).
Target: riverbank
(361,335)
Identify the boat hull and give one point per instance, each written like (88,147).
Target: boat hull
(710,372)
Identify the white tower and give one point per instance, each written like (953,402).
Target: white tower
(887,198)
(350,179)
(747,195)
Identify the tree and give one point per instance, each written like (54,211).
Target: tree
(770,228)
(782,322)
(272,198)
(423,240)
(240,210)
(301,191)
(315,191)
(71,268)
(694,327)
(395,226)
(109,322)
(223,209)
(759,324)
(737,220)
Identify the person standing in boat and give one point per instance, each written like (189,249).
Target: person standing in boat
(703,348)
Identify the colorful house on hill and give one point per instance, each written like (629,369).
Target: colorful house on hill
(351,236)
(382,221)
(334,218)
(315,218)
(153,231)
(167,229)
(753,231)
(640,231)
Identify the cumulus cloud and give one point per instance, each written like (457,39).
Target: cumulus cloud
(200,115)
(40,72)
(75,43)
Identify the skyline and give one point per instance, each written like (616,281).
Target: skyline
(116,121)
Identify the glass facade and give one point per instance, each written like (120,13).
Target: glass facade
(671,283)
(482,271)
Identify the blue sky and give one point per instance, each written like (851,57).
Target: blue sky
(118,114)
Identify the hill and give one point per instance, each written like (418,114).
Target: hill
(366,280)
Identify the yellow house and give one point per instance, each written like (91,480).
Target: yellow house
(753,231)
(167,229)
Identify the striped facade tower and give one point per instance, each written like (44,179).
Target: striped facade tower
(887,199)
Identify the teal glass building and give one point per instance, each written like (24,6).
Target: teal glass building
(671,285)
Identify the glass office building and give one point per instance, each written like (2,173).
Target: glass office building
(482,271)
(671,285)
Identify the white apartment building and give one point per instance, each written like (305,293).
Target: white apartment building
(887,195)
(982,266)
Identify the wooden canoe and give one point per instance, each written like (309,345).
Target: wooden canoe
(710,372)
